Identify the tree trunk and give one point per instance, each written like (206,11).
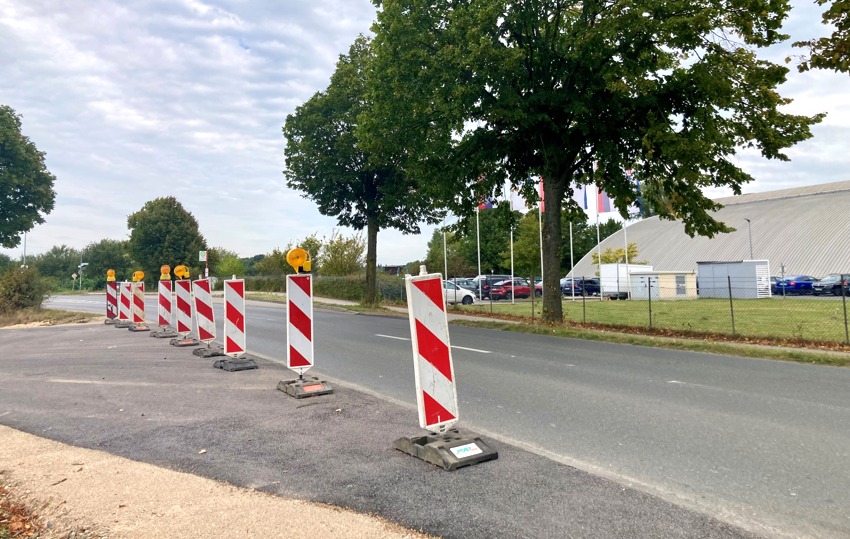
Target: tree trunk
(553,192)
(371,297)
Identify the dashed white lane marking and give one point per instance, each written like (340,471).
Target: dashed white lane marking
(453,346)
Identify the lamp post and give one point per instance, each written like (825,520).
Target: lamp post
(750,234)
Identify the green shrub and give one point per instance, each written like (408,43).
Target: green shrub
(22,288)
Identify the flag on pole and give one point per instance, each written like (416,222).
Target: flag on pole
(603,202)
(518,202)
(540,192)
(580,195)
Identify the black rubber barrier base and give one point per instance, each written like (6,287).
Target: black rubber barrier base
(308,386)
(139,328)
(450,450)
(185,341)
(110,321)
(208,352)
(123,324)
(164,333)
(235,364)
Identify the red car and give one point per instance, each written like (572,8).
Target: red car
(519,288)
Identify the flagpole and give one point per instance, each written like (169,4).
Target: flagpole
(598,246)
(513,298)
(540,227)
(478,244)
(572,275)
(628,277)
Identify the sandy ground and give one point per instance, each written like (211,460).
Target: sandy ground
(82,493)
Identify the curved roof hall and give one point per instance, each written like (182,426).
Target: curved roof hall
(805,229)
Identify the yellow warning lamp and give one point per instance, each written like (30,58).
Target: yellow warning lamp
(110,276)
(138,276)
(165,272)
(299,259)
(182,272)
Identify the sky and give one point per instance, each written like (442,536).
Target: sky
(132,101)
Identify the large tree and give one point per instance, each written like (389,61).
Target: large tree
(327,162)
(26,186)
(581,91)
(164,232)
(832,52)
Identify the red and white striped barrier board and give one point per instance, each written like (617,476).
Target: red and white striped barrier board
(234,318)
(204,310)
(299,322)
(184,307)
(165,305)
(138,302)
(436,394)
(111,300)
(125,300)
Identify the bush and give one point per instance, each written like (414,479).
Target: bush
(22,288)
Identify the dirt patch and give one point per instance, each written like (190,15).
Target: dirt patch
(89,494)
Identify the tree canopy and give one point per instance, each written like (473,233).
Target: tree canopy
(832,52)
(327,162)
(163,232)
(578,93)
(26,186)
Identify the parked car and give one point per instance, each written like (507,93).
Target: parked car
(831,284)
(582,286)
(485,282)
(518,288)
(799,284)
(469,284)
(455,294)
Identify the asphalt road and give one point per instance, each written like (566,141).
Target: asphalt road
(761,444)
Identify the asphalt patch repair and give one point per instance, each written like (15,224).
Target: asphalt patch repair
(168,411)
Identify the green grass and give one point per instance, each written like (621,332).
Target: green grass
(796,319)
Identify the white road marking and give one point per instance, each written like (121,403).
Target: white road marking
(453,346)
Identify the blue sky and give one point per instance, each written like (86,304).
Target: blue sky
(136,100)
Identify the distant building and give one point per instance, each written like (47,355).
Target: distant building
(392,270)
(799,231)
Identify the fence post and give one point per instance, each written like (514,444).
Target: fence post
(731,308)
(533,290)
(649,297)
(844,304)
(583,302)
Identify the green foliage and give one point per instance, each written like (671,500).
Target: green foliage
(229,266)
(342,255)
(526,246)
(831,52)
(57,263)
(26,186)
(22,288)
(105,255)
(618,255)
(163,232)
(581,91)
(494,231)
(6,262)
(458,264)
(329,160)
(584,238)
(273,264)
(313,245)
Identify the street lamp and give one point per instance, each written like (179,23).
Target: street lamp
(750,234)
(81,267)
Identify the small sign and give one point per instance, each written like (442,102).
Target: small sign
(468,450)
(74,276)
(202,256)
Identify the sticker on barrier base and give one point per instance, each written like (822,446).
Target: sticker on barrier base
(308,386)
(208,352)
(235,364)
(185,341)
(139,327)
(450,450)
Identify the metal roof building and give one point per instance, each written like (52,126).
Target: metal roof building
(805,229)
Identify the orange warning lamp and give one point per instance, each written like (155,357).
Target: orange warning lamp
(165,272)
(182,272)
(299,259)
(138,276)
(110,276)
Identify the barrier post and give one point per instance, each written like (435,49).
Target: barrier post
(165,305)
(205,318)
(234,329)
(125,303)
(185,306)
(299,329)
(138,309)
(436,393)
(111,298)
